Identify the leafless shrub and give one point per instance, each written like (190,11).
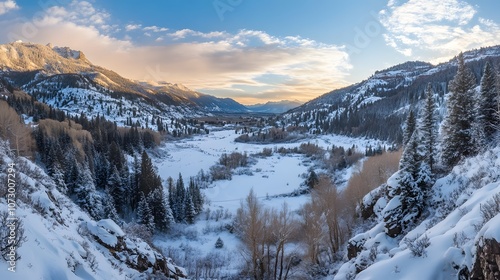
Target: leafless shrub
(418,245)
(11,235)
(491,208)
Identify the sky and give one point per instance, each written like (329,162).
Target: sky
(255,51)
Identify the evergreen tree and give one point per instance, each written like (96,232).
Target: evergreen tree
(189,209)
(109,208)
(407,196)
(458,140)
(312,180)
(171,196)
(180,196)
(196,196)
(486,116)
(86,194)
(219,243)
(116,157)
(428,128)
(162,214)
(148,179)
(134,184)
(102,171)
(144,214)
(410,125)
(116,189)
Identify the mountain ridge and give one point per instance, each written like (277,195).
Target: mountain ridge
(39,62)
(377,106)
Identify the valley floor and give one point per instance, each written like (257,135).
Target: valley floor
(271,178)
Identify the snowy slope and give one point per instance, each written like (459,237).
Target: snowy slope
(456,225)
(62,241)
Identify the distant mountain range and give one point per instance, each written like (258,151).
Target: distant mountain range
(277,107)
(35,68)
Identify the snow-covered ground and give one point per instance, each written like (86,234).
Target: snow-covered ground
(455,226)
(271,177)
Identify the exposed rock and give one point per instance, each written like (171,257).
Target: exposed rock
(355,245)
(487,263)
(136,253)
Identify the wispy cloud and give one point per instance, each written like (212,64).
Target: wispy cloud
(218,62)
(130,27)
(417,27)
(7,6)
(155,29)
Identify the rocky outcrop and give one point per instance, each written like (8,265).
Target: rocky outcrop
(487,263)
(134,252)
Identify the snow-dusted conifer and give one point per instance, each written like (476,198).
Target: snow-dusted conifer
(189,209)
(161,212)
(410,125)
(458,141)
(428,128)
(144,215)
(109,208)
(180,197)
(486,116)
(87,196)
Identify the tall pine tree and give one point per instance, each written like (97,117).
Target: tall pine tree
(410,125)
(458,135)
(162,214)
(180,197)
(116,190)
(486,116)
(428,128)
(148,179)
(144,214)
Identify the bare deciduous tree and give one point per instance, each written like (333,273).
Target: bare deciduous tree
(12,129)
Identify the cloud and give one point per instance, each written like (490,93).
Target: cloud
(130,27)
(7,6)
(155,28)
(188,33)
(440,28)
(220,63)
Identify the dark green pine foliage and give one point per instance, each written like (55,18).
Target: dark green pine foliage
(162,214)
(102,171)
(144,214)
(116,189)
(180,197)
(487,120)
(109,208)
(148,180)
(171,196)
(410,125)
(115,156)
(196,196)
(312,180)
(408,194)
(189,209)
(86,194)
(428,128)
(458,141)
(219,243)
(134,184)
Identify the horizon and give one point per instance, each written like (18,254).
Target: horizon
(255,52)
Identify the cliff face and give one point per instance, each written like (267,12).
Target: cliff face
(487,263)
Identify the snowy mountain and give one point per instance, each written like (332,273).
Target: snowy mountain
(277,107)
(65,72)
(377,106)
